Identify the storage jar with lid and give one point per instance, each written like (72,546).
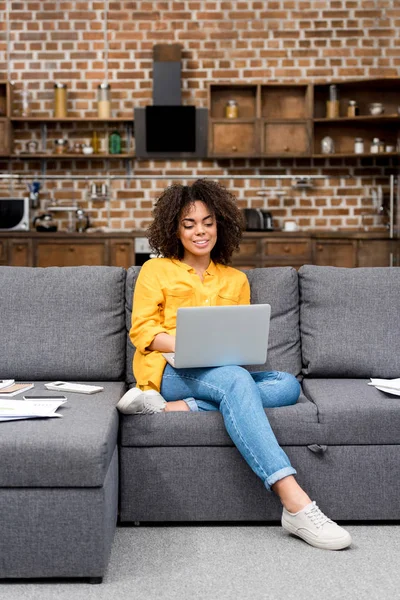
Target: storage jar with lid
(61,145)
(231,109)
(352,109)
(375,146)
(358,145)
(60,100)
(332,105)
(104,101)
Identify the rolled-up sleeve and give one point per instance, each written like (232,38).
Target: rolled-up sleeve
(147,309)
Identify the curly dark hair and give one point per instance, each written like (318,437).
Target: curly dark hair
(174,201)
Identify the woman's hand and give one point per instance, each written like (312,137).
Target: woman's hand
(163,342)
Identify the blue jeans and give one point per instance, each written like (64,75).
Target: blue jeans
(241,397)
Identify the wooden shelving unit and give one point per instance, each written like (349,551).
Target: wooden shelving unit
(289,120)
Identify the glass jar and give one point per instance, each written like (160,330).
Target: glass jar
(327,145)
(95,142)
(60,100)
(61,145)
(104,101)
(231,109)
(381,145)
(352,109)
(375,146)
(114,143)
(358,146)
(332,105)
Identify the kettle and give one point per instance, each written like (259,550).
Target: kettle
(81,220)
(45,223)
(257,219)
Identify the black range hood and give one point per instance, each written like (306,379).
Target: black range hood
(168,129)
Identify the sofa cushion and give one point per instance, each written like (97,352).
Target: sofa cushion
(62,323)
(297,424)
(277,286)
(353,413)
(350,321)
(74,451)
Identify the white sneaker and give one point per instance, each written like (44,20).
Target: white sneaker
(315,528)
(138,402)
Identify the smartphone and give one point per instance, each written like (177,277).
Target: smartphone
(44,397)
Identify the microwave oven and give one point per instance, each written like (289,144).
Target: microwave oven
(14,214)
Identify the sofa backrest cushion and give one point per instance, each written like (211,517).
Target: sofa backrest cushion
(350,321)
(62,323)
(277,286)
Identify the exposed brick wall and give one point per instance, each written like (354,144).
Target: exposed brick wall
(224,41)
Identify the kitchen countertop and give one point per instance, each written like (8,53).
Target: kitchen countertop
(361,234)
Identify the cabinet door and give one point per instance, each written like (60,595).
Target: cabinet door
(122,253)
(286,139)
(289,252)
(20,253)
(70,254)
(373,253)
(233,139)
(335,253)
(248,253)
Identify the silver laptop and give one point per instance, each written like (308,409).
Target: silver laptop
(215,336)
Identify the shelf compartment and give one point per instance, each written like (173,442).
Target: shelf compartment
(286,101)
(344,136)
(245,95)
(386,91)
(34,119)
(286,138)
(40,155)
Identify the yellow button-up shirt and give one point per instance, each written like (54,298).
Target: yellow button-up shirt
(163,286)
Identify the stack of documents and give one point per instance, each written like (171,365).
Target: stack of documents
(8,388)
(390,386)
(12,410)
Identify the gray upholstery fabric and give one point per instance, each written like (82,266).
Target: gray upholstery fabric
(350,321)
(277,286)
(131,277)
(215,484)
(62,323)
(297,424)
(58,532)
(74,451)
(352,412)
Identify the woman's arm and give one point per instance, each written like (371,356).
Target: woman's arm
(146,313)
(163,342)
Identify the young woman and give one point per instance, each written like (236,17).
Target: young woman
(195,230)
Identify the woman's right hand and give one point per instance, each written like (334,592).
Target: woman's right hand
(163,342)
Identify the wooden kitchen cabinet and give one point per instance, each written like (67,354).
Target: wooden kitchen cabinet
(70,254)
(335,253)
(374,253)
(20,253)
(122,253)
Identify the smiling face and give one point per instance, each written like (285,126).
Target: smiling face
(197,232)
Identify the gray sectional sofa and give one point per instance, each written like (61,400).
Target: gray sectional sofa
(64,481)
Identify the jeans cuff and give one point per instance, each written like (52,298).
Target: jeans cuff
(192,404)
(278,475)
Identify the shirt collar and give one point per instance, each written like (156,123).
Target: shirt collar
(211,269)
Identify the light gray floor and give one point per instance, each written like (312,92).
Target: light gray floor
(235,562)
